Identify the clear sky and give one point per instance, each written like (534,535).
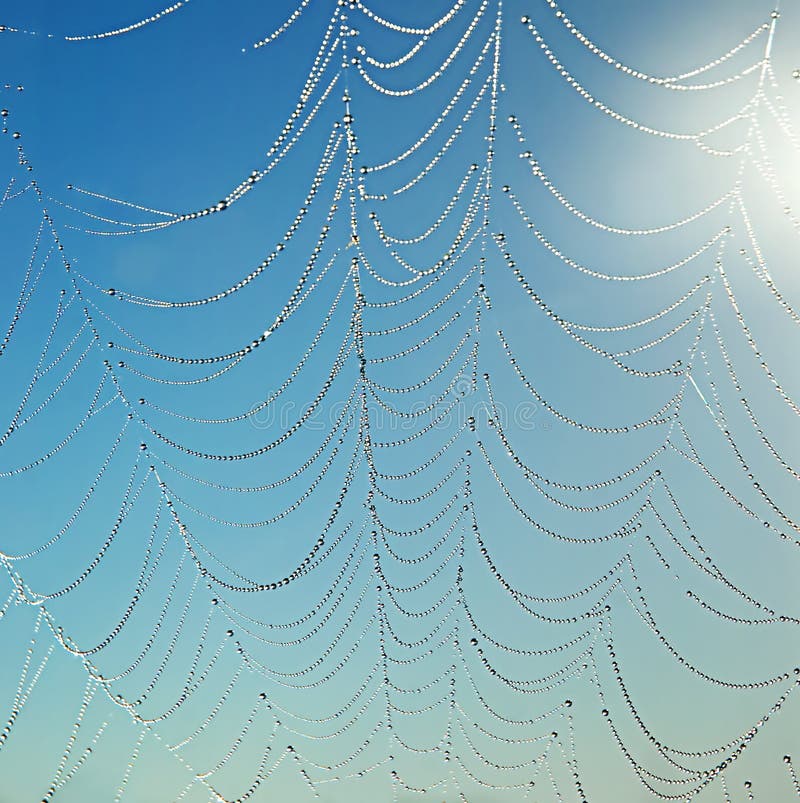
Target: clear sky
(358,441)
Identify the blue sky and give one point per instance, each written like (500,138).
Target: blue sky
(172,117)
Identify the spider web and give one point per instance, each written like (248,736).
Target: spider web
(467,473)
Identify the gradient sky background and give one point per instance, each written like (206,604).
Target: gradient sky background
(173,116)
